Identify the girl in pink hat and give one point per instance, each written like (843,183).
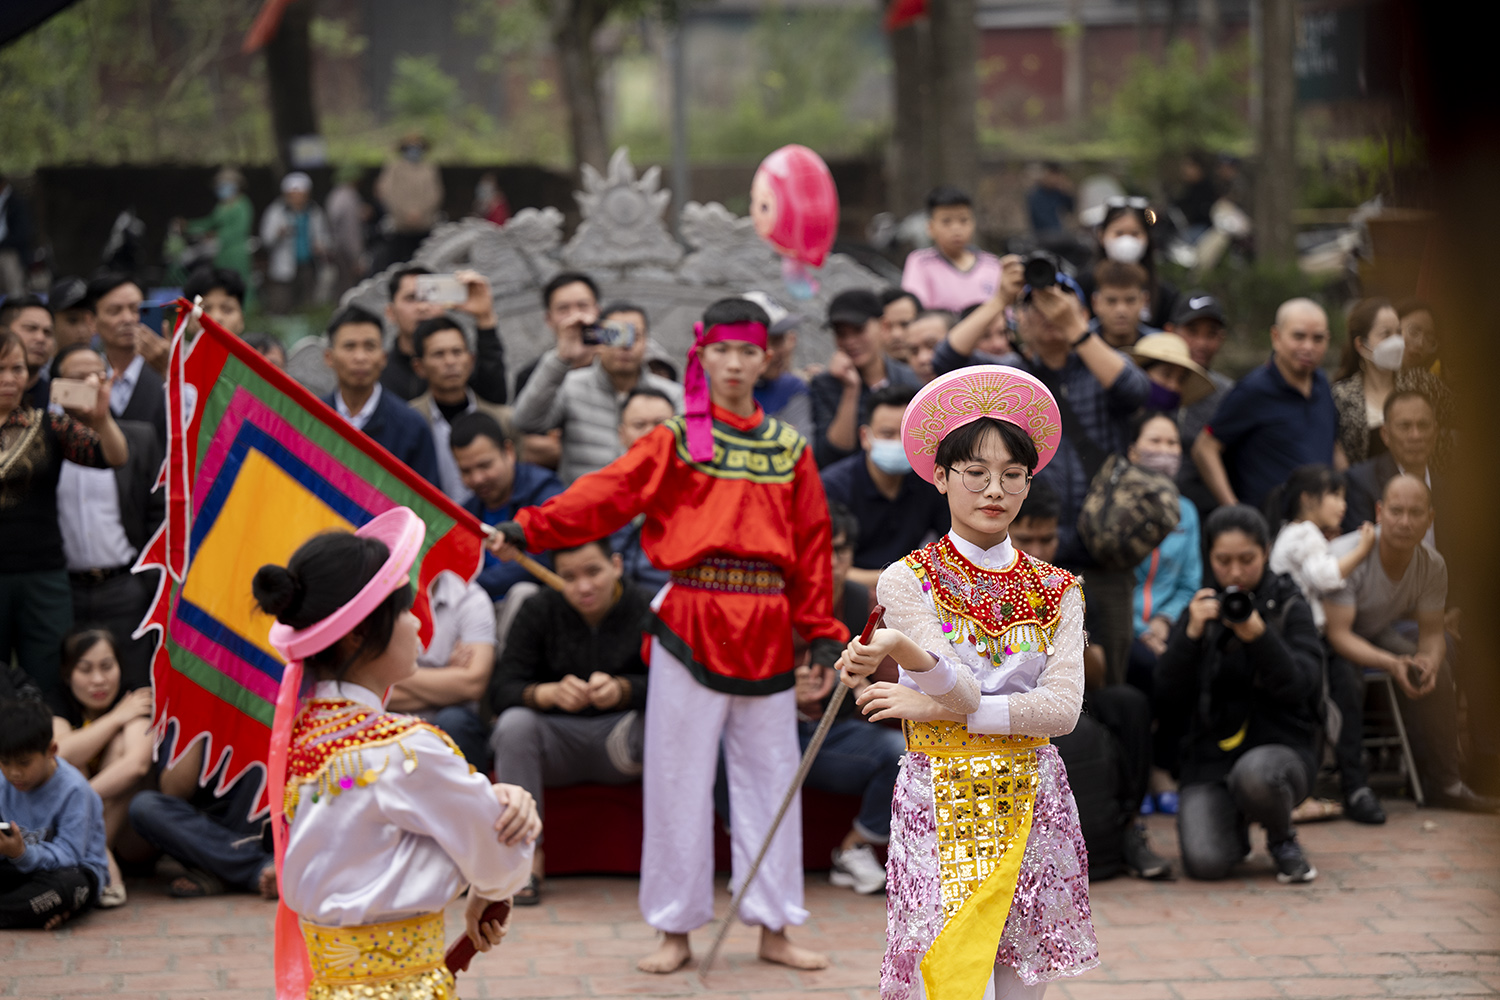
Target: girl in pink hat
(987,877)
(378,821)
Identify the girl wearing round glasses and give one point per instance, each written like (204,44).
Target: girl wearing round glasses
(987,877)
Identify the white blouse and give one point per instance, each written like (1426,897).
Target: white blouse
(404,845)
(1027,693)
(1303,553)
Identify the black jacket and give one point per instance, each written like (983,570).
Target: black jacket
(141,510)
(549,640)
(1224,697)
(148,403)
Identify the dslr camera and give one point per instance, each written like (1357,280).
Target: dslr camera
(1039,269)
(1235,605)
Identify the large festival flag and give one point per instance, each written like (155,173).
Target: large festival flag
(255,466)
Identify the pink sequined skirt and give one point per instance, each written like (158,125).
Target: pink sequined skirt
(1049,933)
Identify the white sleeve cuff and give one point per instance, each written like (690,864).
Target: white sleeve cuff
(939,680)
(992,716)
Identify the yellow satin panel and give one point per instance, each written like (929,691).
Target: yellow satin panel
(984,787)
(402,960)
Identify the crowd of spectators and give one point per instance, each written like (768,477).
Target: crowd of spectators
(1294,566)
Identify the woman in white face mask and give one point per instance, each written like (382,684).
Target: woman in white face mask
(1371,369)
(1125,235)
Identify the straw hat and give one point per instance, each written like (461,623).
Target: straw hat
(1171,349)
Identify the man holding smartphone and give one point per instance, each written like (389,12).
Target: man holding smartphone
(408,308)
(579,386)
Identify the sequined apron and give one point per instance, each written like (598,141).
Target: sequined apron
(402,960)
(984,787)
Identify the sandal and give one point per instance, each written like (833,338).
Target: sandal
(530,894)
(111,896)
(195,884)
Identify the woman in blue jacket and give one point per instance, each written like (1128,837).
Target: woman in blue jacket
(1167,578)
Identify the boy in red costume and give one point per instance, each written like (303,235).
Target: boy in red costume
(735,510)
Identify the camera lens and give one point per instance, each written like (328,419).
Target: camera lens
(1039,272)
(1235,606)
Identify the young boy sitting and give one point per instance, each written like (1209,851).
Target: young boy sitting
(950,274)
(52,859)
(1121,291)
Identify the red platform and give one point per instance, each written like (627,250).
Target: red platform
(597,829)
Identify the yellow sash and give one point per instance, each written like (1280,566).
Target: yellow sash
(401,960)
(984,787)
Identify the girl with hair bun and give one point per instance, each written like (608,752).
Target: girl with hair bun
(378,820)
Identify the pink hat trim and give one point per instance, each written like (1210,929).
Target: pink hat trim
(961,397)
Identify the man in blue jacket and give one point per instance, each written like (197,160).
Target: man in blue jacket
(356,355)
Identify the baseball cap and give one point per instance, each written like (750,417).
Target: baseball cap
(68,293)
(854,307)
(1197,305)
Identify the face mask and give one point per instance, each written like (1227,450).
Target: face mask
(1162,398)
(412,153)
(1165,462)
(890,457)
(1388,353)
(226,191)
(1126,249)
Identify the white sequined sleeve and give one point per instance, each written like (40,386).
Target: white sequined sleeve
(1051,708)
(909,610)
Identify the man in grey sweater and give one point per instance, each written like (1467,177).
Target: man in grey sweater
(579,387)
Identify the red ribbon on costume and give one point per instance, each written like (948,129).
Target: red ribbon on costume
(698,406)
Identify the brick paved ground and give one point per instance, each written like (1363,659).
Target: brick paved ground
(1408,910)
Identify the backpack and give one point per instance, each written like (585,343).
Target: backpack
(1127,512)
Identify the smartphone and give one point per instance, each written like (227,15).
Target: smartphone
(74,394)
(442,289)
(610,333)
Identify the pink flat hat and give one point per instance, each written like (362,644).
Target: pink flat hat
(950,401)
(403,533)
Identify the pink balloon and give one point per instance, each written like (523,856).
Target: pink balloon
(794,204)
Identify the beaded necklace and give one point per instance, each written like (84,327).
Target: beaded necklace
(999,612)
(329,739)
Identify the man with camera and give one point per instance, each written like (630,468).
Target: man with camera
(1098,388)
(579,385)
(1389,617)
(1240,685)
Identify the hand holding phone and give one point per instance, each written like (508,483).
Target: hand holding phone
(441,289)
(75,394)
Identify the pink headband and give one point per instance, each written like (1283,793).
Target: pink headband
(403,533)
(961,397)
(700,424)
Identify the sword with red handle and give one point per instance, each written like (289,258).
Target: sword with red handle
(813,746)
(461,953)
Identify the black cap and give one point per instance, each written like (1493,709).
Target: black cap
(1198,305)
(856,307)
(68,293)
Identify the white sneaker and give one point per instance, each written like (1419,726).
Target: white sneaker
(857,869)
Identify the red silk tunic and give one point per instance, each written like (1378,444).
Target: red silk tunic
(759,501)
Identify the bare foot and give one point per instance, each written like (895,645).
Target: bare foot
(774,947)
(672,954)
(54,922)
(267,884)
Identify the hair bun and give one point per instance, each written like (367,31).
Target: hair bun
(278,591)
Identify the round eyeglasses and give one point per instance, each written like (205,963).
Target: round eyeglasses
(976,479)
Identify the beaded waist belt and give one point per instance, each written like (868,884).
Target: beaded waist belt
(732,576)
(401,960)
(952,738)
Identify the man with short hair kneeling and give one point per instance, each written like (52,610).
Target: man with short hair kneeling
(570,687)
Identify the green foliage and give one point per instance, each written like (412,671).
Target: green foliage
(1352,171)
(420,90)
(333,38)
(1171,107)
(804,67)
(92,85)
